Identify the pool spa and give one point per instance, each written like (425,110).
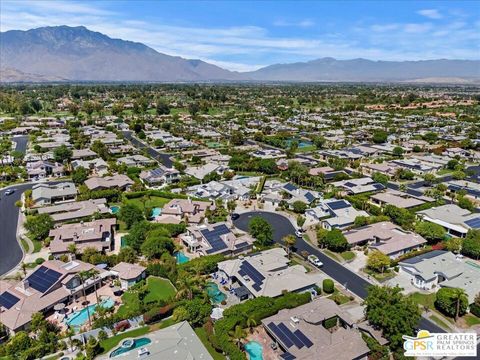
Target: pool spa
(254,350)
(78,318)
(129,345)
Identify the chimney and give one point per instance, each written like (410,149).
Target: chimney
(25,284)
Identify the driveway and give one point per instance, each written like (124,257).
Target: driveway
(21,143)
(11,252)
(157,155)
(353,282)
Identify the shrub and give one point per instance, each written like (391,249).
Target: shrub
(328,286)
(158,313)
(39,261)
(447,299)
(122,326)
(330,323)
(475,310)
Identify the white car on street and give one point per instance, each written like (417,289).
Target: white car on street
(315,260)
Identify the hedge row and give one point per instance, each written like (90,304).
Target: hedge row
(159,193)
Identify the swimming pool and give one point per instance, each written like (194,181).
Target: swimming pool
(301,143)
(129,345)
(181,257)
(214,293)
(78,318)
(254,350)
(156,212)
(114,209)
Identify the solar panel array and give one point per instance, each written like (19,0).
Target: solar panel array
(214,238)
(378,186)
(289,338)
(474,223)
(7,300)
(157,172)
(290,187)
(43,278)
(287,356)
(240,245)
(309,196)
(340,204)
(246,269)
(350,184)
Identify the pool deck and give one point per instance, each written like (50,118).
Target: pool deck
(77,305)
(260,335)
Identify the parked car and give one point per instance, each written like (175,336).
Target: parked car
(235,216)
(9,191)
(299,233)
(315,260)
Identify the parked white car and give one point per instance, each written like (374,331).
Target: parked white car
(315,260)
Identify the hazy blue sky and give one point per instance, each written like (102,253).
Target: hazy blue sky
(244,35)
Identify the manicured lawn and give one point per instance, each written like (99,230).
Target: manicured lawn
(332,255)
(24,245)
(306,149)
(158,289)
(37,246)
(471,319)
(339,297)
(348,255)
(110,343)
(439,322)
(202,335)
(424,299)
(151,202)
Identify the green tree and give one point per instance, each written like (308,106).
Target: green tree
(459,175)
(430,231)
(154,247)
(100,148)
(453,244)
(162,107)
(39,226)
(452,302)
(62,153)
(127,254)
(289,241)
(471,244)
(400,216)
(131,214)
(379,136)
(398,151)
(380,178)
(394,313)
(92,348)
(261,230)
(237,138)
(333,240)
(378,261)
(237,335)
(79,175)
(137,234)
(299,207)
(328,286)
(465,203)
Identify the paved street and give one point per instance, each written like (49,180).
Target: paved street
(353,282)
(157,155)
(10,250)
(21,143)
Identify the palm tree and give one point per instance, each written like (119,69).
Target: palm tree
(237,335)
(251,323)
(459,294)
(289,241)
(85,275)
(72,249)
(94,275)
(24,269)
(186,286)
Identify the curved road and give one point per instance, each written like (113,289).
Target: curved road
(157,155)
(356,284)
(10,250)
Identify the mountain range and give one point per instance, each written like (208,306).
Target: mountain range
(64,53)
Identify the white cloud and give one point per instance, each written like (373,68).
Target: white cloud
(303,23)
(430,13)
(244,48)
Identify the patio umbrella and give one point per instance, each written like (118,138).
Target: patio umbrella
(59,307)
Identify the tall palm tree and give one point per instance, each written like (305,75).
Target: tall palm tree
(186,286)
(84,276)
(237,335)
(459,294)
(289,241)
(251,323)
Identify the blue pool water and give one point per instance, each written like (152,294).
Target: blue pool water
(156,212)
(78,318)
(136,344)
(254,350)
(301,143)
(214,293)
(114,209)
(181,258)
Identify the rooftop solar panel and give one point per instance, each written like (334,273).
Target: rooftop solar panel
(305,340)
(283,338)
(349,184)
(214,239)
(43,278)
(336,205)
(240,245)
(7,300)
(474,223)
(287,356)
(290,187)
(378,186)
(309,196)
(296,341)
